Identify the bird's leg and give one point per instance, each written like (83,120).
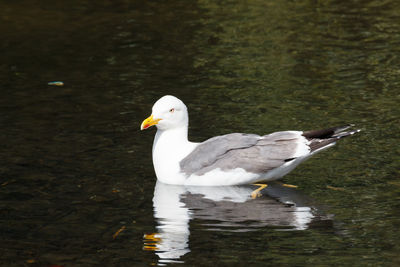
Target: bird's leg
(256,193)
(290,185)
(287,185)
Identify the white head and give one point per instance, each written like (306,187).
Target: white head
(168,112)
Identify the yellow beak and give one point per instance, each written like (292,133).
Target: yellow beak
(150,121)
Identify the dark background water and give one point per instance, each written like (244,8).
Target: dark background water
(75,168)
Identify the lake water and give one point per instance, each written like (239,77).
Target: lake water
(77,185)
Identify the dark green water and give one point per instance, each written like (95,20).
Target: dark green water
(76,177)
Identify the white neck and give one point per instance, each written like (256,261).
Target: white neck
(169,148)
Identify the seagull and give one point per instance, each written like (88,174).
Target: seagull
(231,159)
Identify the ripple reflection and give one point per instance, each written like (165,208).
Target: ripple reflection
(225,208)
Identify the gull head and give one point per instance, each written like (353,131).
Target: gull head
(168,112)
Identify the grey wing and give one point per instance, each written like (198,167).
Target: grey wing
(210,151)
(254,153)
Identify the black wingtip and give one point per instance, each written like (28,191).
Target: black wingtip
(329,132)
(322,138)
(344,134)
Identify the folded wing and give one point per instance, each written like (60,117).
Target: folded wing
(259,154)
(253,153)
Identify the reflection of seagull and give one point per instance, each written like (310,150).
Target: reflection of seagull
(228,208)
(231,159)
(171,241)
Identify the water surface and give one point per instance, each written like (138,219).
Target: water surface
(77,186)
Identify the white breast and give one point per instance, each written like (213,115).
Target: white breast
(169,148)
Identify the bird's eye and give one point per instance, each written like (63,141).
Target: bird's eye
(172,110)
